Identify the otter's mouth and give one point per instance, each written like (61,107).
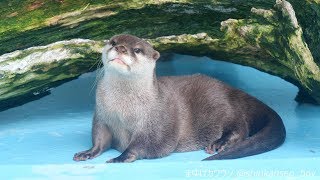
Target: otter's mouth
(118,61)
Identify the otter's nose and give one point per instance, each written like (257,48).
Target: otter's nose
(121,49)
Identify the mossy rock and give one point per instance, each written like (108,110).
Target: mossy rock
(272,36)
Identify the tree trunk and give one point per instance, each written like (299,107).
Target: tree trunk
(274,37)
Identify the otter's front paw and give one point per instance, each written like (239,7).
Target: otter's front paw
(85,155)
(124,157)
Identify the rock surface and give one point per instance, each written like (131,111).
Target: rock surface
(44,44)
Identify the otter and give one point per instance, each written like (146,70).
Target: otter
(145,116)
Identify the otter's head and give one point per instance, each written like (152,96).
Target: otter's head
(129,55)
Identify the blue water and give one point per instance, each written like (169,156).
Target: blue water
(39,139)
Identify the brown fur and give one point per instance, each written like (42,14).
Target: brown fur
(147,117)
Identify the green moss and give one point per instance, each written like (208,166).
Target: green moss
(32,13)
(126,21)
(308,13)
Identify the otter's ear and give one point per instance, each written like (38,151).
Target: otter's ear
(155,55)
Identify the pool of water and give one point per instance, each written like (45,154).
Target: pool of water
(39,139)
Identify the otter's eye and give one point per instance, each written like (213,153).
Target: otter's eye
(137,50)
(113,43)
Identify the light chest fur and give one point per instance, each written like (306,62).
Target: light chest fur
(123,108)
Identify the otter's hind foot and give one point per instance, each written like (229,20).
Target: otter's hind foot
(209,150)
(124,157)
(213,148)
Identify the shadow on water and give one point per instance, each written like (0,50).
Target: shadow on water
(70,98)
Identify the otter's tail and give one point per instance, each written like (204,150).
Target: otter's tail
(268,138)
